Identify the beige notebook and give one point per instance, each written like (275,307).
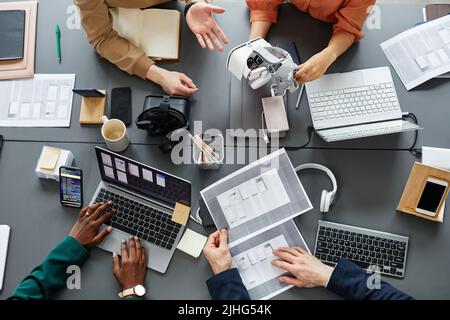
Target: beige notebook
(156,31)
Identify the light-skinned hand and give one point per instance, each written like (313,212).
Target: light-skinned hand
(307,270)
(200,19)
(172,82)
(315,67)
(216,251)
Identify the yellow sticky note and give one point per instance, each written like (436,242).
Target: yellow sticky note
(49,158)
(181,213)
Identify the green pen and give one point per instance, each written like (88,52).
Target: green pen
(58,42)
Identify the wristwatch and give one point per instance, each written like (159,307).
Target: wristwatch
(139,291)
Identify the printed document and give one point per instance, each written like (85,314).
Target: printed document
(421,53)
(253,259)
(257,197)
(44,101)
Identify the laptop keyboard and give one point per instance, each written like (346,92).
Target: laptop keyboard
(140,220)
(362,246)
(358,101)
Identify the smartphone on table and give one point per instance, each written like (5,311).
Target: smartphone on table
(71,186)
(433,195)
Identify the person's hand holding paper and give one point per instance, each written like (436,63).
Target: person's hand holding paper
(217,253)
(200,19)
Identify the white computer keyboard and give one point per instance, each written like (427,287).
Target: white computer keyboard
(346,135)
(358,101)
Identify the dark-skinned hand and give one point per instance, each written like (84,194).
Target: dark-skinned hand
(130,269)
(85,230)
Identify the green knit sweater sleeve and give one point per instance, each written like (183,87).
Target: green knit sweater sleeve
(51,275)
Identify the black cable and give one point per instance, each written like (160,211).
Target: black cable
(416,152)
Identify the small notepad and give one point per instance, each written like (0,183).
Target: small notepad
(192,243)
(49,158)
(181,213)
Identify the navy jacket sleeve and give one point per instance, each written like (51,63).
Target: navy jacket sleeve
(350,281)
(227,285)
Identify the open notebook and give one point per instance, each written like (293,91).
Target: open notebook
(156,31)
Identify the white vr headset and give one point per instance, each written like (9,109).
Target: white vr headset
(327,196)
(259,62)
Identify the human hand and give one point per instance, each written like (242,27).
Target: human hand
(308,271)
(130,269)
(172,82)
(217,253)
(200,19)
(315,67)
(85,230)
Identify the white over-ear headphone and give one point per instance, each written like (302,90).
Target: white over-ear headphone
(327,196)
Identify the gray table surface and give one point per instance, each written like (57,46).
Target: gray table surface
(370,185)
(430,102)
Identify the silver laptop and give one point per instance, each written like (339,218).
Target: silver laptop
(145,199)
(356,104)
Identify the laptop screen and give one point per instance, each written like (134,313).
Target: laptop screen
(143,179)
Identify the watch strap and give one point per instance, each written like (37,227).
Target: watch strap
(125,293)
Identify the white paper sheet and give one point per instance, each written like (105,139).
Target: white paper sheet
(258,197)
(44,101)
(4,239)
(436,157)
(261,270)
(253,198)
(192,243)
(253,259)
(419,54)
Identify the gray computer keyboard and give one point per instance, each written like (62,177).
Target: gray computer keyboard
(358,101)
(364,247)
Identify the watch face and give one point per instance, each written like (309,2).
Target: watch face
(139,290)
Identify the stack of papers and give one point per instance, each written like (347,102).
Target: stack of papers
(45,101)
(256,204)
(420,53)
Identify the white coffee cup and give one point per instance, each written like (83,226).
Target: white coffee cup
(114,133)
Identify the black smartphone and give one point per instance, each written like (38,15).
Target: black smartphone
(71,186)
(121,107)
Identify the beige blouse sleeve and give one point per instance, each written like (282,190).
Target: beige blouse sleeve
(98,24)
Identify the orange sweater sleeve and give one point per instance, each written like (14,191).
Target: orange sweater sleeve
(351,17)
(98,25)
(264,10)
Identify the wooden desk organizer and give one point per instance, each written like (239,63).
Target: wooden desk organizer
(414,187)
(92,109)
